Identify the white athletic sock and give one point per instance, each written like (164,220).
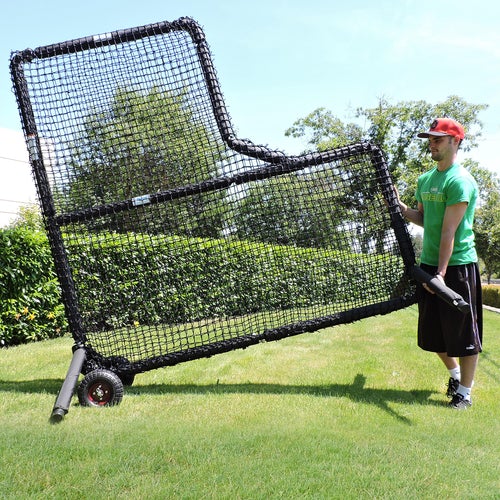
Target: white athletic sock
(464,391)
(455,373)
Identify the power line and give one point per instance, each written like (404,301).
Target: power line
(17,201)
(14,159)
(10,213)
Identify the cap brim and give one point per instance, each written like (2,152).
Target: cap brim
(425,135)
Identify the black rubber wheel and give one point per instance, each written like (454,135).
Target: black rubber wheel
(100,388)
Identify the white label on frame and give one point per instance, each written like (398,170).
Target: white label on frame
(141,200)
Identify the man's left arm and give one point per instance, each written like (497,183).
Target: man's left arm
(453,215)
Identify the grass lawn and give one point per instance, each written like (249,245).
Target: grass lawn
(355,411)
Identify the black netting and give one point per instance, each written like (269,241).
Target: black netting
(172,238)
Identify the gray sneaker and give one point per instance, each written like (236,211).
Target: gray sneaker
(458,402)
(452,388)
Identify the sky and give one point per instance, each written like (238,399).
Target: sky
(277,61)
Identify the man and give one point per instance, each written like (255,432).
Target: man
(446,197)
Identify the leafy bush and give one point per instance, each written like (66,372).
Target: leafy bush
(130,278)
(135,278)
(30,304)
(491,295)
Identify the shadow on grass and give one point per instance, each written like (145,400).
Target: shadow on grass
(50,386)
(489,366)
(356,391)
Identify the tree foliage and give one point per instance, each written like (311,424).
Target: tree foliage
(29,217)
(144,144)
(30,298)
(487,230)
(297,210)
(394,127)
(272,212)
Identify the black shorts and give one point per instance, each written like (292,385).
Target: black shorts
(442,328)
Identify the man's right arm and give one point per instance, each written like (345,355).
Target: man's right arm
(413,215)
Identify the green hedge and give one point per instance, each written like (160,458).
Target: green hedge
(129,278)
(30,303)
(189,279)
(192,279)
(491,295)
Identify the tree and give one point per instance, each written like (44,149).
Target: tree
(290,210)
(145,143)
(314,208)
(393,127)
(29,217)
(326,130)
(487,229)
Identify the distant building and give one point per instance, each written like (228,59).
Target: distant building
(17,187)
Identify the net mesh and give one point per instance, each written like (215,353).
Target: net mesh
(172,238)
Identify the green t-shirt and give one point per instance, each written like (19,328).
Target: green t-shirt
(436,190)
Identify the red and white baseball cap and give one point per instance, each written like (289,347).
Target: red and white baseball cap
(444,126)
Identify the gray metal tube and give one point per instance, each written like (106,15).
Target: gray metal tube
(63,400)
